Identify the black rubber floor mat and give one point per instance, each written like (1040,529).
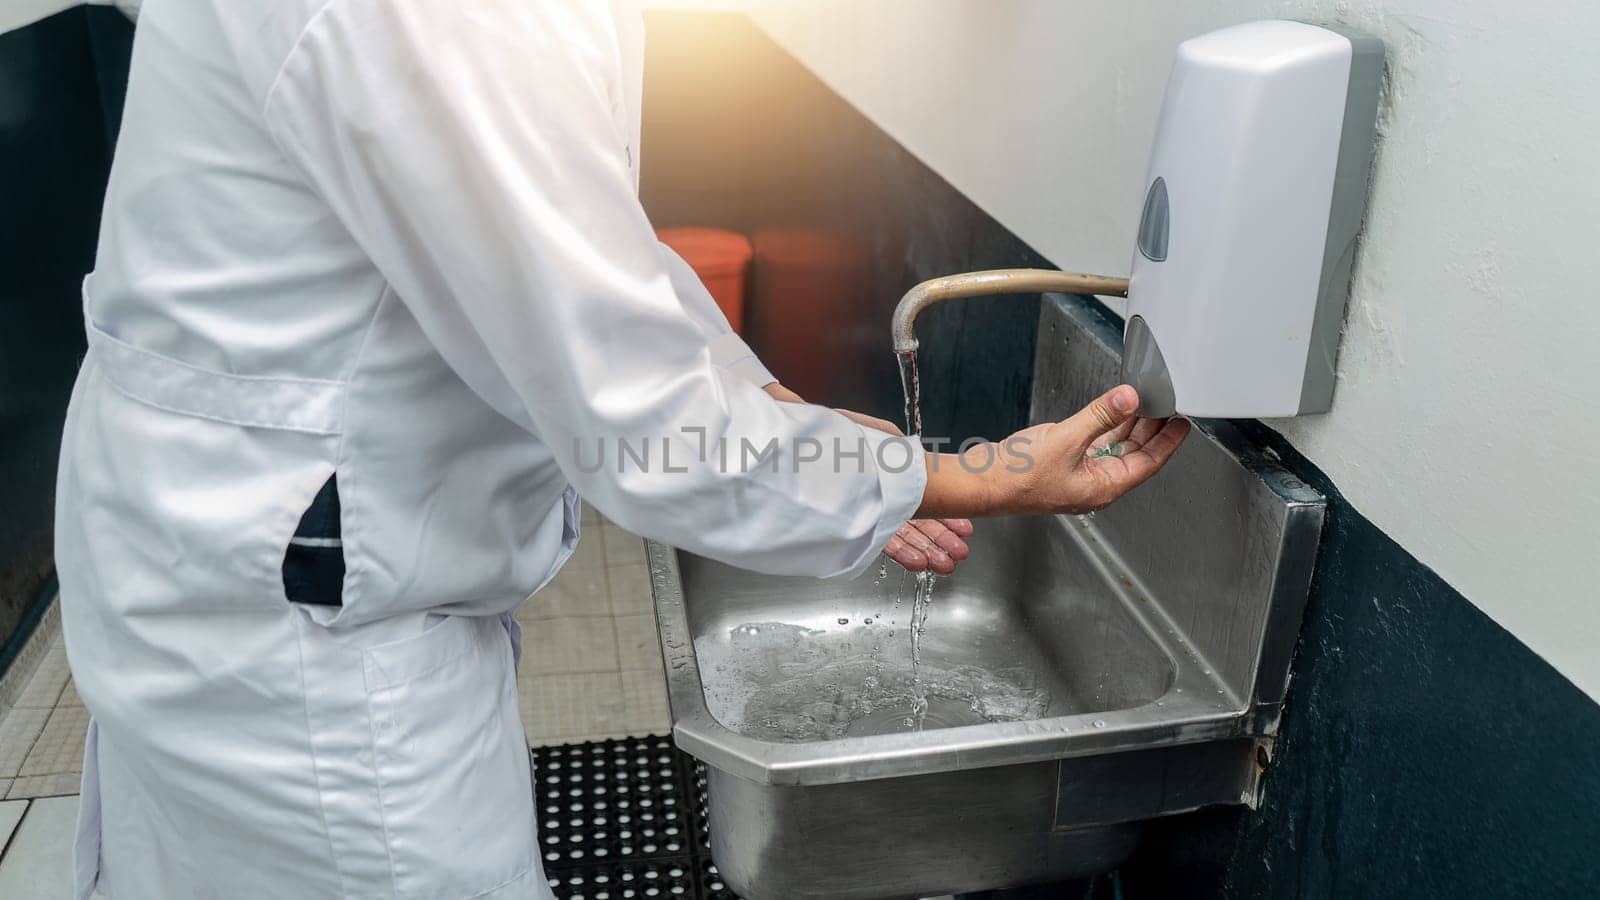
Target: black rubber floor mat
(711,886)
(657,878)
(624,819)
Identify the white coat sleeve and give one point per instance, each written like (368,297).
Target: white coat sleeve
(728,349)
(472,150)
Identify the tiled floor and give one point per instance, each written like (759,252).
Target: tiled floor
(38,849)
(591,661)
(41,737)
(591,669)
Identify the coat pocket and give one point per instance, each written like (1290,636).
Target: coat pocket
(451,759)
(313,563)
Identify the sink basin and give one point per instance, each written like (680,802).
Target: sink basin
(1081,675)
(1029,629)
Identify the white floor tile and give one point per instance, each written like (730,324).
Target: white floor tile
(623,548)
(10,815)
(573,592)
(18,730)
(69,697)
(644,699)
(46,636)
(638,643)
(557,709)
(60,745)
(38,863)
(572,644)
(590,552)
(57,785)
(629,587)
(44,688)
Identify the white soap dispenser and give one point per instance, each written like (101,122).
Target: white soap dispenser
(1256,189)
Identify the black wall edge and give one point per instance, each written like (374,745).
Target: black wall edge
(59,97)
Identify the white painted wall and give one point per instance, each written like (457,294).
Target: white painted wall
(1467,418)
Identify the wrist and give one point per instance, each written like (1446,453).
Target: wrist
(957,490)
(779,392)
(1004,492)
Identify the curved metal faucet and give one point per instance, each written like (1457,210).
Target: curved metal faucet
(993,281)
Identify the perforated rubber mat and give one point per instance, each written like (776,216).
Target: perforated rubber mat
(624,819)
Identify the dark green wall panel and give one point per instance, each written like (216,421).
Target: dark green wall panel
(55,155)
(1426,752)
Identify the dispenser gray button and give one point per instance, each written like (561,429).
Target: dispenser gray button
(1153,223)
(1145,369)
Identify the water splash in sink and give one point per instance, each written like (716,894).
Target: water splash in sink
(785,682)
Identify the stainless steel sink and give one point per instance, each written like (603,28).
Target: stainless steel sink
(1081,675)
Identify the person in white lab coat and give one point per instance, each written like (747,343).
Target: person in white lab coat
(371,277)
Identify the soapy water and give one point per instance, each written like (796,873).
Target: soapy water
(1115,448)
(784,682)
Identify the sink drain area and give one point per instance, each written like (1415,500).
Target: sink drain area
(624,819)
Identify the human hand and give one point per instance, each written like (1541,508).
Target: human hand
(921,544)
(936,544)
(1077,465)
(1083,463)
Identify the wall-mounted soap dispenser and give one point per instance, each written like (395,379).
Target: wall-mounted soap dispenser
(1256,189)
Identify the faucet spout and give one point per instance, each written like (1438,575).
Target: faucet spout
(993,281)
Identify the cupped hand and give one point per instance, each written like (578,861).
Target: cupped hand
(1083,463)
(920,545)
(936,545)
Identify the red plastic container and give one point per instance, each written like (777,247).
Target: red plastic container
(721,259)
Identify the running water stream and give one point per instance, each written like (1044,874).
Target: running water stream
(911,385)
(919,623)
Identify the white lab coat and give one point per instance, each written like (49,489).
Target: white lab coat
(399,243)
